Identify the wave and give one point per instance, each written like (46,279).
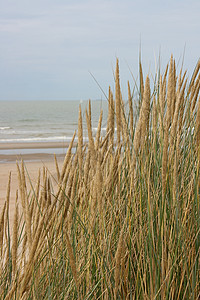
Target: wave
(4,127)
(28,120)
(102,128)
(40,139)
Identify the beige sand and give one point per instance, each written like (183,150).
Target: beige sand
(42,145)
(37,162)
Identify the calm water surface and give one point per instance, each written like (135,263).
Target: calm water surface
(45,121)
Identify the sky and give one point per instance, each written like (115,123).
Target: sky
(53,49)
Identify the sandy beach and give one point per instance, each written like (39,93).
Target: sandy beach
(33,163)
(35,145)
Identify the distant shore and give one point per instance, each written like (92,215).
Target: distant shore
(35,145)
(30,152)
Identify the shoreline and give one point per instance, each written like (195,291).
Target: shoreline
(34,145)
(32,152)
(33,157)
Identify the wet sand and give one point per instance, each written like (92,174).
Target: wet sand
(42,145)
(10,152)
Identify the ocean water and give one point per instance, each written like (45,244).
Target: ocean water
(45,121)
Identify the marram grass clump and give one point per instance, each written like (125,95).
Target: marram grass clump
(124,220)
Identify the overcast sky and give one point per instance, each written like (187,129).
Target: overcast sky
(48,48)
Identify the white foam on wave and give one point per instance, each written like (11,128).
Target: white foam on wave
(102,129)
(38,139)
(4,128)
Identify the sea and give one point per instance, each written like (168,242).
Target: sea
(46,121)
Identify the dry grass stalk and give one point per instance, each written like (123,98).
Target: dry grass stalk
(48,192)
(14,237)
(37,210)
(25,205)
(106,156)
(103,147)
(118,102)
(180,81)
(164,162)
(196,94)
(57,168)
(67,158)
(91,143)
(72,260)
(197,126)
(8,201)
(165,80)
(28,225)
(2,227)
(29,265)
(176,115)
(130,102)
(21,188)
(38,186)
(110,112)
(154,121)
(33,203)
(45,186)
(170,88)
(137,136)
(111,179)
(173,101)
(23,182)
(7,226)
(60,195)
(98,134)
(9,296)
(99,187)
(166,129)
(93,204)
(86,167)
(183,77)
(136,146)
(124,127)
(67,195)
(176,156)
(181,113)
(145,111)
(142,126)
(161,106)
(118,258)
(80,141)
(90,112)
(141,82)
(112,119)
(162,102)
(196,71)
(71,176)
(24,251)
(72,201)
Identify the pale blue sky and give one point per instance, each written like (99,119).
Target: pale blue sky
(48,47)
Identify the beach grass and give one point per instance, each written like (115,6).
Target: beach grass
(124,219)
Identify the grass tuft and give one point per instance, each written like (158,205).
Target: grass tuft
(124,220)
